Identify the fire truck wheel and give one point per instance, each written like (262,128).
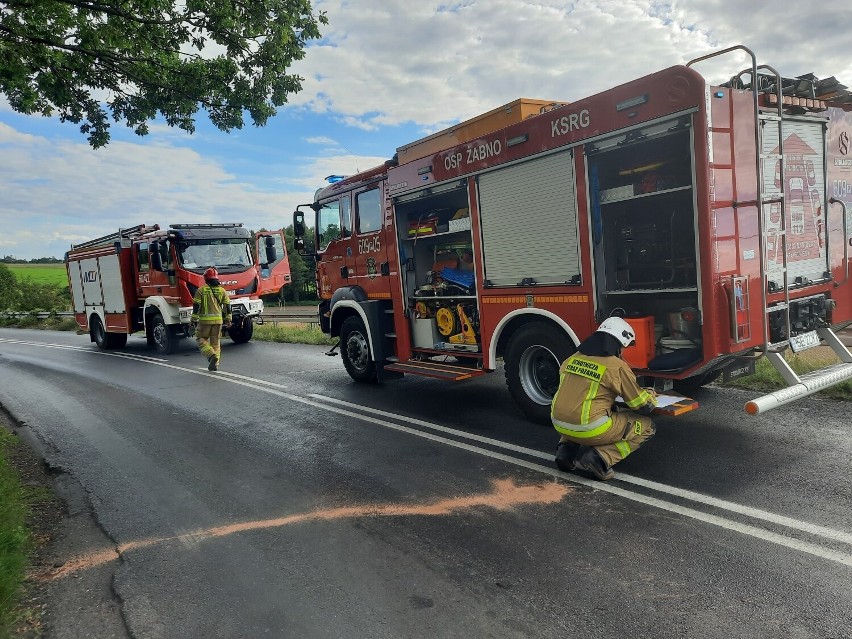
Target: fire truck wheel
(355,351)
(99,334)
(103,339)
(531,362)
(241,333)
(162,336)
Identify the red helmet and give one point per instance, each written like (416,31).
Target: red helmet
(211,274)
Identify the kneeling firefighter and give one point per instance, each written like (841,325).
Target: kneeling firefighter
(594,436)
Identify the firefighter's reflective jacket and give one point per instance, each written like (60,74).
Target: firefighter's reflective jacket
(211,305)
(588,387)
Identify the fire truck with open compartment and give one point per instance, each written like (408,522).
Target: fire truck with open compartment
(144,278)
(713,218)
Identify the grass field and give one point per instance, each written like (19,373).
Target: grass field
(40,273)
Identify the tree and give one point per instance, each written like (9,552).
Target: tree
(170,57)
(299,272)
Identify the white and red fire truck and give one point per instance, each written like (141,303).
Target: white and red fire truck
(143,279)
(713,218)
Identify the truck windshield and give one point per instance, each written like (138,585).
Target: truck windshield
(224,254)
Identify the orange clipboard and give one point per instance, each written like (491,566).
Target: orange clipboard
(682,405)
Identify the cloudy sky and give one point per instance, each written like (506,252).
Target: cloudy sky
(386,73)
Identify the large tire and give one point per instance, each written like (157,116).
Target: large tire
(532,361)
(241,333)
(98,332)
(163,338)
(355,351)
(104,340)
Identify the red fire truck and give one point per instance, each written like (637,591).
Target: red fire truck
(143,279)
(712,218)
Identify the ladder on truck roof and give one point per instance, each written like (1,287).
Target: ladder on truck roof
(807,384)
(122,234)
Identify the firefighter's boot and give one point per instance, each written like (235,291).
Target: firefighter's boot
(213,363)
(593,463)
(566,455)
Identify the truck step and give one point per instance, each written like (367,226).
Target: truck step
(799,386)
(809,384)
(438,370)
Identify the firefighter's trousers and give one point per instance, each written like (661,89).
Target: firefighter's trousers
(628,432)
(207,335)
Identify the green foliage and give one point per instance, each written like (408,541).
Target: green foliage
(9,293)
(25,294)
(10,259)
(14,538)
(150,57)
(300,272)
(292,334)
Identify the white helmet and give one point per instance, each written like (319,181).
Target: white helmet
(619,329)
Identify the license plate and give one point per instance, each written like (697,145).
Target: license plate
(804,341)
(737,370)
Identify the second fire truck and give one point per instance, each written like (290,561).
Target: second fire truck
(143,279)
(713,218)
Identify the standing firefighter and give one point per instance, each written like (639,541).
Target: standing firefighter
(594,437)
(211,308)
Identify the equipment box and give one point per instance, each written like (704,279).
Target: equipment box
(429,226)
(644,350)
(424,333)
(503,116)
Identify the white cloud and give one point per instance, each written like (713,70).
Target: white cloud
(321,139)
(434,62)
(57,193)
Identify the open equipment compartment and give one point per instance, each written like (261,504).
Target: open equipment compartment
(644,239)
(434,234)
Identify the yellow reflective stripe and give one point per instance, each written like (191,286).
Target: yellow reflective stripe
(623,448)
(640,400)
(573,430)
(587,403)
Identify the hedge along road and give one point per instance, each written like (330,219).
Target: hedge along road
(277,496)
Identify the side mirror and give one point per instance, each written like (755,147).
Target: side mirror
(271,253)
(299,244)
(299,224)
(155,258)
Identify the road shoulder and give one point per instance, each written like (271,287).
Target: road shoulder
(83,603)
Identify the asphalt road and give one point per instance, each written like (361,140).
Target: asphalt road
(277,498)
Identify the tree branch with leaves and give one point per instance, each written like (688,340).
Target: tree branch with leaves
(132,60)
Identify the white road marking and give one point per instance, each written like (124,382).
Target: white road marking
(345,408)
(755,513)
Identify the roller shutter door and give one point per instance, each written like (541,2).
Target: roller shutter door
(529,222)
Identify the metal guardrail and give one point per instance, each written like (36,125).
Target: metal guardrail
(274,316)
(270,316)
(38,314)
